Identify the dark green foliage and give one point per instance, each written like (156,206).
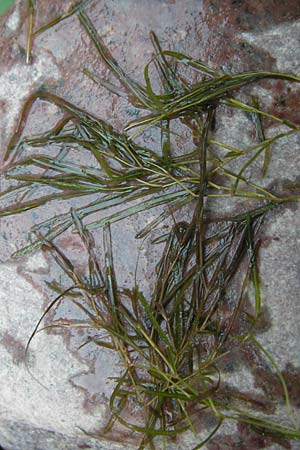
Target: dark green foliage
(171,344)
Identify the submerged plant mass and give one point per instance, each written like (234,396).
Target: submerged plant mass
(171,344)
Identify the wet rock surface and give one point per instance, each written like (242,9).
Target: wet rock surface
(74,382)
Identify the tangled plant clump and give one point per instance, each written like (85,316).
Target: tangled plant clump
(172,344)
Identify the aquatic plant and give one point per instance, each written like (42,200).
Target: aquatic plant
(171,344)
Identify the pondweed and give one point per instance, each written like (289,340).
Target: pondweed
(172,343)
